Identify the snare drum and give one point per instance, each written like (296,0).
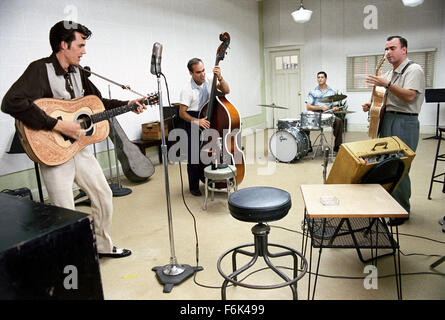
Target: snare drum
(283,124)
(310,120)
(327,120)
(288,145)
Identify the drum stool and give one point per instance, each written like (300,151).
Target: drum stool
(260,205)
(227,175)
(439,157)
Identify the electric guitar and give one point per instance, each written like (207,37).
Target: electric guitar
(52,148)
(377,106)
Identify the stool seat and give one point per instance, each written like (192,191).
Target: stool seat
(220,174)
(226,176)
(259,204)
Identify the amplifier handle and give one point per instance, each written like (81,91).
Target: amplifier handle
(384,143)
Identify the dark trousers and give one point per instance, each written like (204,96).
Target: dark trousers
(194,168)
(337,131)
(407,129)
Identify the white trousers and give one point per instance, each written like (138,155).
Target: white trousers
(87,173)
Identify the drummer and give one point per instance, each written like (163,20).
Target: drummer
(312,104)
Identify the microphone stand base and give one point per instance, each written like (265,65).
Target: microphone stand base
(168,275)
(118,191)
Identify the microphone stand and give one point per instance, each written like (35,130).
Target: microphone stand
(173,273)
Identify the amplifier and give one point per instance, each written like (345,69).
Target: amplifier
(354,159)
(46,252)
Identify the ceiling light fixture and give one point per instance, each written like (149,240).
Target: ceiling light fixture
(302,15)
(412,3)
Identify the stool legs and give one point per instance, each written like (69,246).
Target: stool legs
(231,185)
(433,176)
(261,245)
(206,193)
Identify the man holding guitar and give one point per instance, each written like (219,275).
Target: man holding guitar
(193,97)
(405,89)
(58,76)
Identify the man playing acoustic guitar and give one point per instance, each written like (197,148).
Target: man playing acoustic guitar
(58,76)
(405,89)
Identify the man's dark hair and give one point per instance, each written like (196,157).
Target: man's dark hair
(403,41)
(64,31)
(192,62)
(323,73)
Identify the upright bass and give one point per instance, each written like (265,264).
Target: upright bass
(225,119)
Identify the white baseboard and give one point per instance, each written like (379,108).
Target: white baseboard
(424,129)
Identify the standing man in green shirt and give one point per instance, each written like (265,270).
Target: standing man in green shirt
(405,86)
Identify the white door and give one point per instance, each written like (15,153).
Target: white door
(284,85)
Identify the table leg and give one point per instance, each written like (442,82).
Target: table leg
(319,257)
(399,294)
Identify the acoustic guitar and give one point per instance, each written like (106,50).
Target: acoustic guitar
(52,148)
(377,106)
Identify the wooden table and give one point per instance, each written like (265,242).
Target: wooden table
(344,203)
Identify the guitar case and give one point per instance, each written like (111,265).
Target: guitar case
(136,166)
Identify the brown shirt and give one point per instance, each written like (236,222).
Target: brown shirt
(42,79)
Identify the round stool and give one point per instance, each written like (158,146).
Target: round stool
(261,204)
(227,175)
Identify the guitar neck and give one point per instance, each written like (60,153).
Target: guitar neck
(212,96)
(107,114)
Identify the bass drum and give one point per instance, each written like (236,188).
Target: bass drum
(288,145)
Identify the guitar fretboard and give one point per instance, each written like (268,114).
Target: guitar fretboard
(107,114)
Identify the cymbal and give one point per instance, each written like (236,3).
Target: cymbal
(333,98)
(273,105)
(343,112)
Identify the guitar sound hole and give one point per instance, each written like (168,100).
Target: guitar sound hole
(85,123)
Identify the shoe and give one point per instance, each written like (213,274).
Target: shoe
(117,253)
(397,221)
(336,149)
(196,193)
(310,150)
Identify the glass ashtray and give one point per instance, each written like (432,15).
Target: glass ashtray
(329,201)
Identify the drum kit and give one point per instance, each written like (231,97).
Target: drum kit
(290,142)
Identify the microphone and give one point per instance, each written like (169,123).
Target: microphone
(156,59)
(88,74)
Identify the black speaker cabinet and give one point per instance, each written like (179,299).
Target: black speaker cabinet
(46,252)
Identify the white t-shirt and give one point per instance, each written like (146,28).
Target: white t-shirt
(190,96)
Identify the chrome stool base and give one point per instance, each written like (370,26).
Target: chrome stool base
(261,246)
